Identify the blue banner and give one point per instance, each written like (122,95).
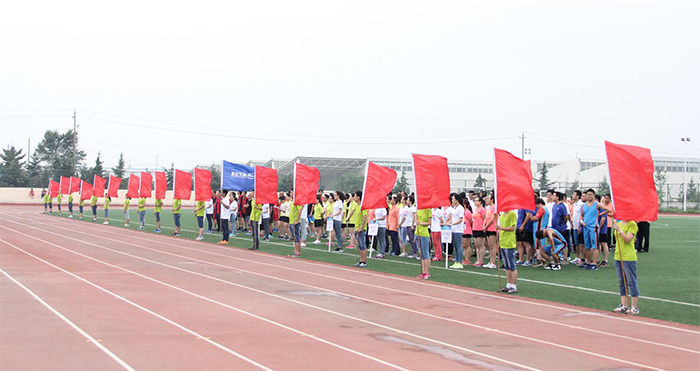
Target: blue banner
(235,177)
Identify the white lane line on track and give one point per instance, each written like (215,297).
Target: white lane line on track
(554,323)
(505,333)
(444,287)
(258,291)
(138,306)
(69,322)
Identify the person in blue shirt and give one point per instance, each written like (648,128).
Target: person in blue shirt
(553,243)
(538,221)
(560,216)
(590,213)
(603,233)
(524,236)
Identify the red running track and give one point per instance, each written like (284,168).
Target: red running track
(83,296)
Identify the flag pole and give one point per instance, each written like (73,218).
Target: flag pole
(371,244)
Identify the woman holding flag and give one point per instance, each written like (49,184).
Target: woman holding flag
(626,266)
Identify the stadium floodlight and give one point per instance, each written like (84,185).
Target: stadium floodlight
(685,171)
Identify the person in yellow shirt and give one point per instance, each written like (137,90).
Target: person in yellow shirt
(255,216)
(157,208)
(423,220)
(93,206)
(58,203)
(70,205)
(199,215)
(318,219)
(506,228)
(626,266)
(142,212)
(295,228)
(177,210)
(127,202)
(105,206)
(81,205)
(46,203)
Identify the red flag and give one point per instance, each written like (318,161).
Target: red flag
(113,188)
(265,185)
(432,178)
(85,190)
(132,190)
(74,184)
(98,186)
(306,179)
(64,185)
(182,185)
(513,179)
(146,185)
(202,184)
(632,185)
(54,187)
(379,181)
(161,184)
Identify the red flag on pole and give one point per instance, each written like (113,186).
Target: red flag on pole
(379,181)
(161,184)
(74,184)
(146,185)
(265,185)
(98,186)
(202,184)
(182,185)
(54,188)
(513,180)
(132,190)
(85,190)
(306,179)
(432,181)
(632,187)
(113,187)
(64,185)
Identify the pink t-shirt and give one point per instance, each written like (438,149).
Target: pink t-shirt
(467,221)
(479,216)
(491,212)
(393,219)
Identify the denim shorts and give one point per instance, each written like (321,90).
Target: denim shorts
(508,259)
(176,219)
(200,221)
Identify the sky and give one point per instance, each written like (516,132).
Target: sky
(196,82)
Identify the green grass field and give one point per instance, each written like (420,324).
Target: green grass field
(669,276)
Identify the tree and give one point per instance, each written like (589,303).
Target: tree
(215,176)
(12,172)
(55,154)
(692,191)
(574,186)
(660,180)
(169,173)
(285,183)
(36,174)
(351,182)
(88,173)
(118,171)
(480,182)
(401,184)
(604,186)
(543,182)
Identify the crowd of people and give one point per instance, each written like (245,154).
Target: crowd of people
(560,230)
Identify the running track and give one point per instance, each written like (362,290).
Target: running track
(79,296)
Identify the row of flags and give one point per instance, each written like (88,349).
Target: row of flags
(631,173)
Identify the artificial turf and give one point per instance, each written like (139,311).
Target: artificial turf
(669,275)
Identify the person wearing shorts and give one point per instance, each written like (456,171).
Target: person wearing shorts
(81,204)
(589,224)
(177,210)
(626,266)
(105,206)
(318,219)
(199,215)
(93,206)
(423,221)
(157,208)
(59,198)
(361,229)
(127,202)
(552,243)
(295,228)
(142,212)
(70,205)
(507,242)
(46,203)
(490,230)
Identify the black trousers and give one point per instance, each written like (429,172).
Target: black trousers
(255,228)
(224,229)
(209,220)
(642,243)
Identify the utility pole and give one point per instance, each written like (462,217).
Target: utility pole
(75,137)
(522,153)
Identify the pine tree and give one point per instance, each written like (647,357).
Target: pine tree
(543,182)
(98,169)
(12,172)
(215,176)
(169,173)
(574,186)
(692,191)
(660,180)
(604,186)
(118,171)
(55,154)
(401,184)
(480,182)
(36,174)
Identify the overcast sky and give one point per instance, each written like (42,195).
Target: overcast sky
(194,82)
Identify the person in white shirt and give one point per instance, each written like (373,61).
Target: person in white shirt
(407,225)
(233,213)
(380,216)
(435,231)
(224,220)
(549,205)
(209,210)
(265,215)
(456,223)
(337,215)
(304,220)
(577,233)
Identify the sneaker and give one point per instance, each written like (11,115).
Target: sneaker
(605,264)
(505,289)
(426,276)
(253,248)
(156,231)
(317,242)
(403,255)
(527,264)
(94,219)
(436,260)
(80,218)
(199,238)
(456,266)
(294,256)
(519,262)
(466,263)
(633,310)
(575,261)
(207,232)
(126,225)
(490,266)
(478,265)
(592,267)
(141,227)
(512,290)
(621,309)
(176,234)
(105,223)
(556,267)
(351,246)
(584,266)
(339,249)
(70,216)
(420,276)
(379,256)
(549,266)
(303,244)
(361,264)
(411,256)
(266,240)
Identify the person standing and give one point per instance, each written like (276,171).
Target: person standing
(423,220)
(233,213)
(380,217)
(577,233)
(361,237)
(45,198)
(626,266)
(265,218)
(642,243)
(507,241)
(199,215)
(479,218)
(70,205)
(490,230)
(392,226)
(127,202)
(590,212)
(142,213)
(255,213)
(337,215)
(93,206)
(295,228)
(59,198)
(177,213)
(81,204)
(105,206)
(157,208)
(225,204)
(467,234)
(559,219)
(217,210)
(456,223)
(209,210)
(318,219)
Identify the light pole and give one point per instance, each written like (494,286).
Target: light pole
(685,170)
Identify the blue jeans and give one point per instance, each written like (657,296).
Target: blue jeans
(361,240)
(142,218)
(381,235)
(337,227)
(630,278)
(457,247)
(424,247)
(255,228)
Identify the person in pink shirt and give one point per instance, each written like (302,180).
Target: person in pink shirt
(490,230)
(392,226)
(478,218)
(467,236)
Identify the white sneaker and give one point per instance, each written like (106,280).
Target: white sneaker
(490,266)
(317,242)
(303,244)
(403,255)
(140,227)
(70,216)
(105,223)
(199,238)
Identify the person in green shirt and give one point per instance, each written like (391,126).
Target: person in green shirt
(157,210)
(177,210)
(295,228)
(127,202)
(199,215)
(142,212)
(506,228)
(70,205)
(361,230)
(318,219)
(106,207)
(58,203)
(50,203)
(46,203)
(93,206)
(626,266)
(255,215)
(423,219)
(81,205)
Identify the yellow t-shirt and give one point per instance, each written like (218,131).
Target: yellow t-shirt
(318,211)
(200,204)
(106,205)
(158,206)
(177,204)
(507,238)
(93,201)
(294,214)
(423,216)
(142,204)
(626,249)
(255,212)
(127,202)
